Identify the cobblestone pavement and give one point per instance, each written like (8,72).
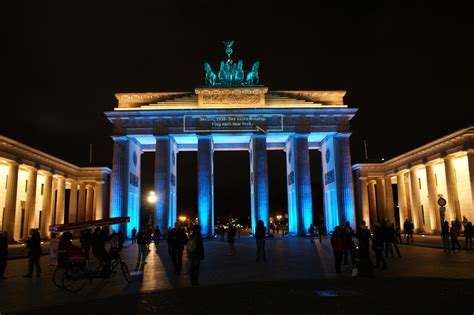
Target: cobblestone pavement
(292,262)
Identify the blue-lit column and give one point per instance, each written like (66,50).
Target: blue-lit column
(205,170)
(119,181)
(163,186)
(258,180)
(300,204)
(344,182)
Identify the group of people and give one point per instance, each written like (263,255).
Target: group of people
(453,233)
(384,237)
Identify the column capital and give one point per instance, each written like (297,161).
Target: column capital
(161,137)
(343,134)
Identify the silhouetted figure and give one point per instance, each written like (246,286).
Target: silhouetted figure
(231,238)
(178,241)
(157,236)
(338,247)
(3,253)
(348,235)
(260,230)
(445,237)
(195,249)
(311,233)
(398,236)
(468,231)
(34,253)
(390,240)
(142,241)
(454,234)
(278,229)
(222,232)
(99,251)
(86,242)
(134,235)
(365,266)
(121,240)
(320,233)
(408,226)
(377,245)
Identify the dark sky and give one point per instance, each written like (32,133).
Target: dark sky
(409,69)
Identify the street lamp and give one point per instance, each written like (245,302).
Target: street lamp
(182,218)
(152,198)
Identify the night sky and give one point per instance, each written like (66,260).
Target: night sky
(408,69)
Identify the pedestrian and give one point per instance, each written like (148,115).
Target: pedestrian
(195,248)
(377,246)
(338,247)
(168,240)
(231,238)
(406,227)
(311,233)
(86,241)
(398,236)
(142,242)
(260,231)
(148,238)
(34,253)
(454,233)
(178,241)
(468,231)
(278,229)
(222,232)
(364,266)
(134,235)
(157,236)
(121,240)
(99,251)
(348,235)
(3,253)
(445,237)
(390,240)
(320,233)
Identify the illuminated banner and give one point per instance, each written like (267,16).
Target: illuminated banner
(233,123)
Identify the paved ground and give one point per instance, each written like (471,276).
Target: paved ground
(295,270)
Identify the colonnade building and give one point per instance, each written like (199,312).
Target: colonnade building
(38,190)
(245,118)
(410,185)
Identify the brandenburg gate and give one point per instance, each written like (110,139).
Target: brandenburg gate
(233,112)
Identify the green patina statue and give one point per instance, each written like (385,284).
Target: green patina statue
(231,73)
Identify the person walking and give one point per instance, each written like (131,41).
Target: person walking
(468,231)
(99,251)
(364,266)
(389,237)
(445,237)
(260,230)
(454,234)
(34,253)
(195,248)
(231,238)
(320,233)
(398,236)
(168,240)
(157,236)
(338,247)
(178,241)
(134,235)
(311,233)
(377,246)
(407,228)
(142,242)
(3,254)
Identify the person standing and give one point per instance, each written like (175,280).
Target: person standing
(365,267)
(34,253)
(377,246)
(168,240)
(260,231)
(278,229)
(390,240)
(468,231)
(195,249)
(406,227)
(121,240)
(134,235)
(231,238)
(142,242)
(348,235)
(398,236)
(157,236)
(338,247)
(320,233)
(178,241)
(445,237)
(454,233)
(86,240)
(3,253)
(311,233)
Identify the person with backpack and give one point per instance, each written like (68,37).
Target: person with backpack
(311,233)
(260,230)
(195,249)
